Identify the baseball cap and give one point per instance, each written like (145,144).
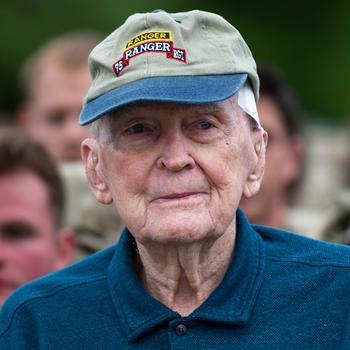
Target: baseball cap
(193,57)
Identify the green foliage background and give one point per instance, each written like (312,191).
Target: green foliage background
(308,40)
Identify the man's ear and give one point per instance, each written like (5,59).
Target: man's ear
(91,159)
(65,248)
(253,183)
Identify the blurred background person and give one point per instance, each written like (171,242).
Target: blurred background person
(280,117)
(32,239)
(54,80)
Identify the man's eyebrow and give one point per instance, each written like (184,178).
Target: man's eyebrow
(120,111)
(207,108)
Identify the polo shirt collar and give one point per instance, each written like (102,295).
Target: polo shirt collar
(231,302)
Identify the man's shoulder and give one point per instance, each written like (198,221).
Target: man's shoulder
(69,280)
(286,246)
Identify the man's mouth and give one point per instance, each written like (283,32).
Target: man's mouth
(177,196)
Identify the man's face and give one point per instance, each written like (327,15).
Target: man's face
(176,172)
(28,246)
(51,115)
(282,162)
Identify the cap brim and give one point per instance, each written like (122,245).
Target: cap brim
(198,89)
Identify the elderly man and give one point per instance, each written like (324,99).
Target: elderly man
(176,144)
(32,239)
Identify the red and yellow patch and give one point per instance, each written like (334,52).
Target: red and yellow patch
(149,42)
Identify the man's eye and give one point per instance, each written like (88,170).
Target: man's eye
(137,129)
(205,125)
(55,118)
(13,232)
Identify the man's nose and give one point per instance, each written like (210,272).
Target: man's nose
(175,154)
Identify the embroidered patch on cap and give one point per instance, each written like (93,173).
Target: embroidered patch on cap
(149,42)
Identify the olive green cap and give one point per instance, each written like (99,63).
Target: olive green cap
(188,57)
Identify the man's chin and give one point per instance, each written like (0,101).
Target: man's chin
(179,228)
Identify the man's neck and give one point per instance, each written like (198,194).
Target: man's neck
(183,276)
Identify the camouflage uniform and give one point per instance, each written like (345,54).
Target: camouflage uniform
(96,226)
(337,227)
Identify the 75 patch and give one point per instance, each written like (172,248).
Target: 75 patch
(149,42)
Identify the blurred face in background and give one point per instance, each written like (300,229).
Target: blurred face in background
(51,113)
(282,164)
(30,243)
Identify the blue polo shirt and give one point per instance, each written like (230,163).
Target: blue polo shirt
(281,291)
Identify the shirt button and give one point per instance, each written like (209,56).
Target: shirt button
(181,329)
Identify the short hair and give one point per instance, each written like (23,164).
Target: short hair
(69,50)
(274,84)
(19,152)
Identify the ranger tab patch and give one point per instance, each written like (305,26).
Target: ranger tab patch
(149,42)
